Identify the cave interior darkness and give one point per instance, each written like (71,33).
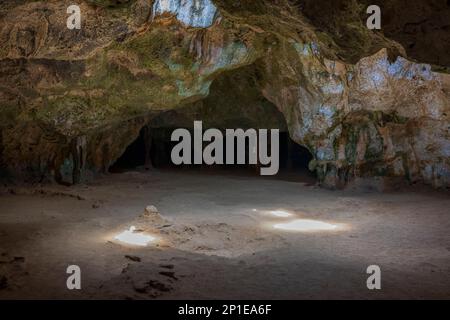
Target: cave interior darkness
(294,158)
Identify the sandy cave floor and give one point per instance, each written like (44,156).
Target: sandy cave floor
(217,241)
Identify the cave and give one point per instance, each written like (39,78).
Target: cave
(231,92)
(189,150)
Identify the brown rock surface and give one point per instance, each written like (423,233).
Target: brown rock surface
(72,100)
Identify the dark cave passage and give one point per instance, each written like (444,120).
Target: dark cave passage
(235,101)
(293,158)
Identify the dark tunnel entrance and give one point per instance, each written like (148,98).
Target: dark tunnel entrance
(294,159)
(235,101)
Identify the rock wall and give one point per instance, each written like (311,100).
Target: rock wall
(72,100)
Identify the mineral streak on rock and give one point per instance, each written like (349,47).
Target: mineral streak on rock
(194,13)
(72,101)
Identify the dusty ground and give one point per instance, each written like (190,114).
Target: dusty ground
(215,240)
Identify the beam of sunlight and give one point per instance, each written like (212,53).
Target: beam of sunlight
(304,225)
(134,238)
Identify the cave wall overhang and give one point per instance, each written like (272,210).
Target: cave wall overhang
(71,104)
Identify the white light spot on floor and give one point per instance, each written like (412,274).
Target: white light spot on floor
(280,213)
(134,238)
(304,225)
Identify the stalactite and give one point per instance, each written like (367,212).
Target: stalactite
(79,158)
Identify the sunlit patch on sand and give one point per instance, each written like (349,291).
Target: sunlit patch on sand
(280,213)
(304,225)
(134,238)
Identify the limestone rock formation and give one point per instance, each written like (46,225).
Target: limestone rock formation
(71,101)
